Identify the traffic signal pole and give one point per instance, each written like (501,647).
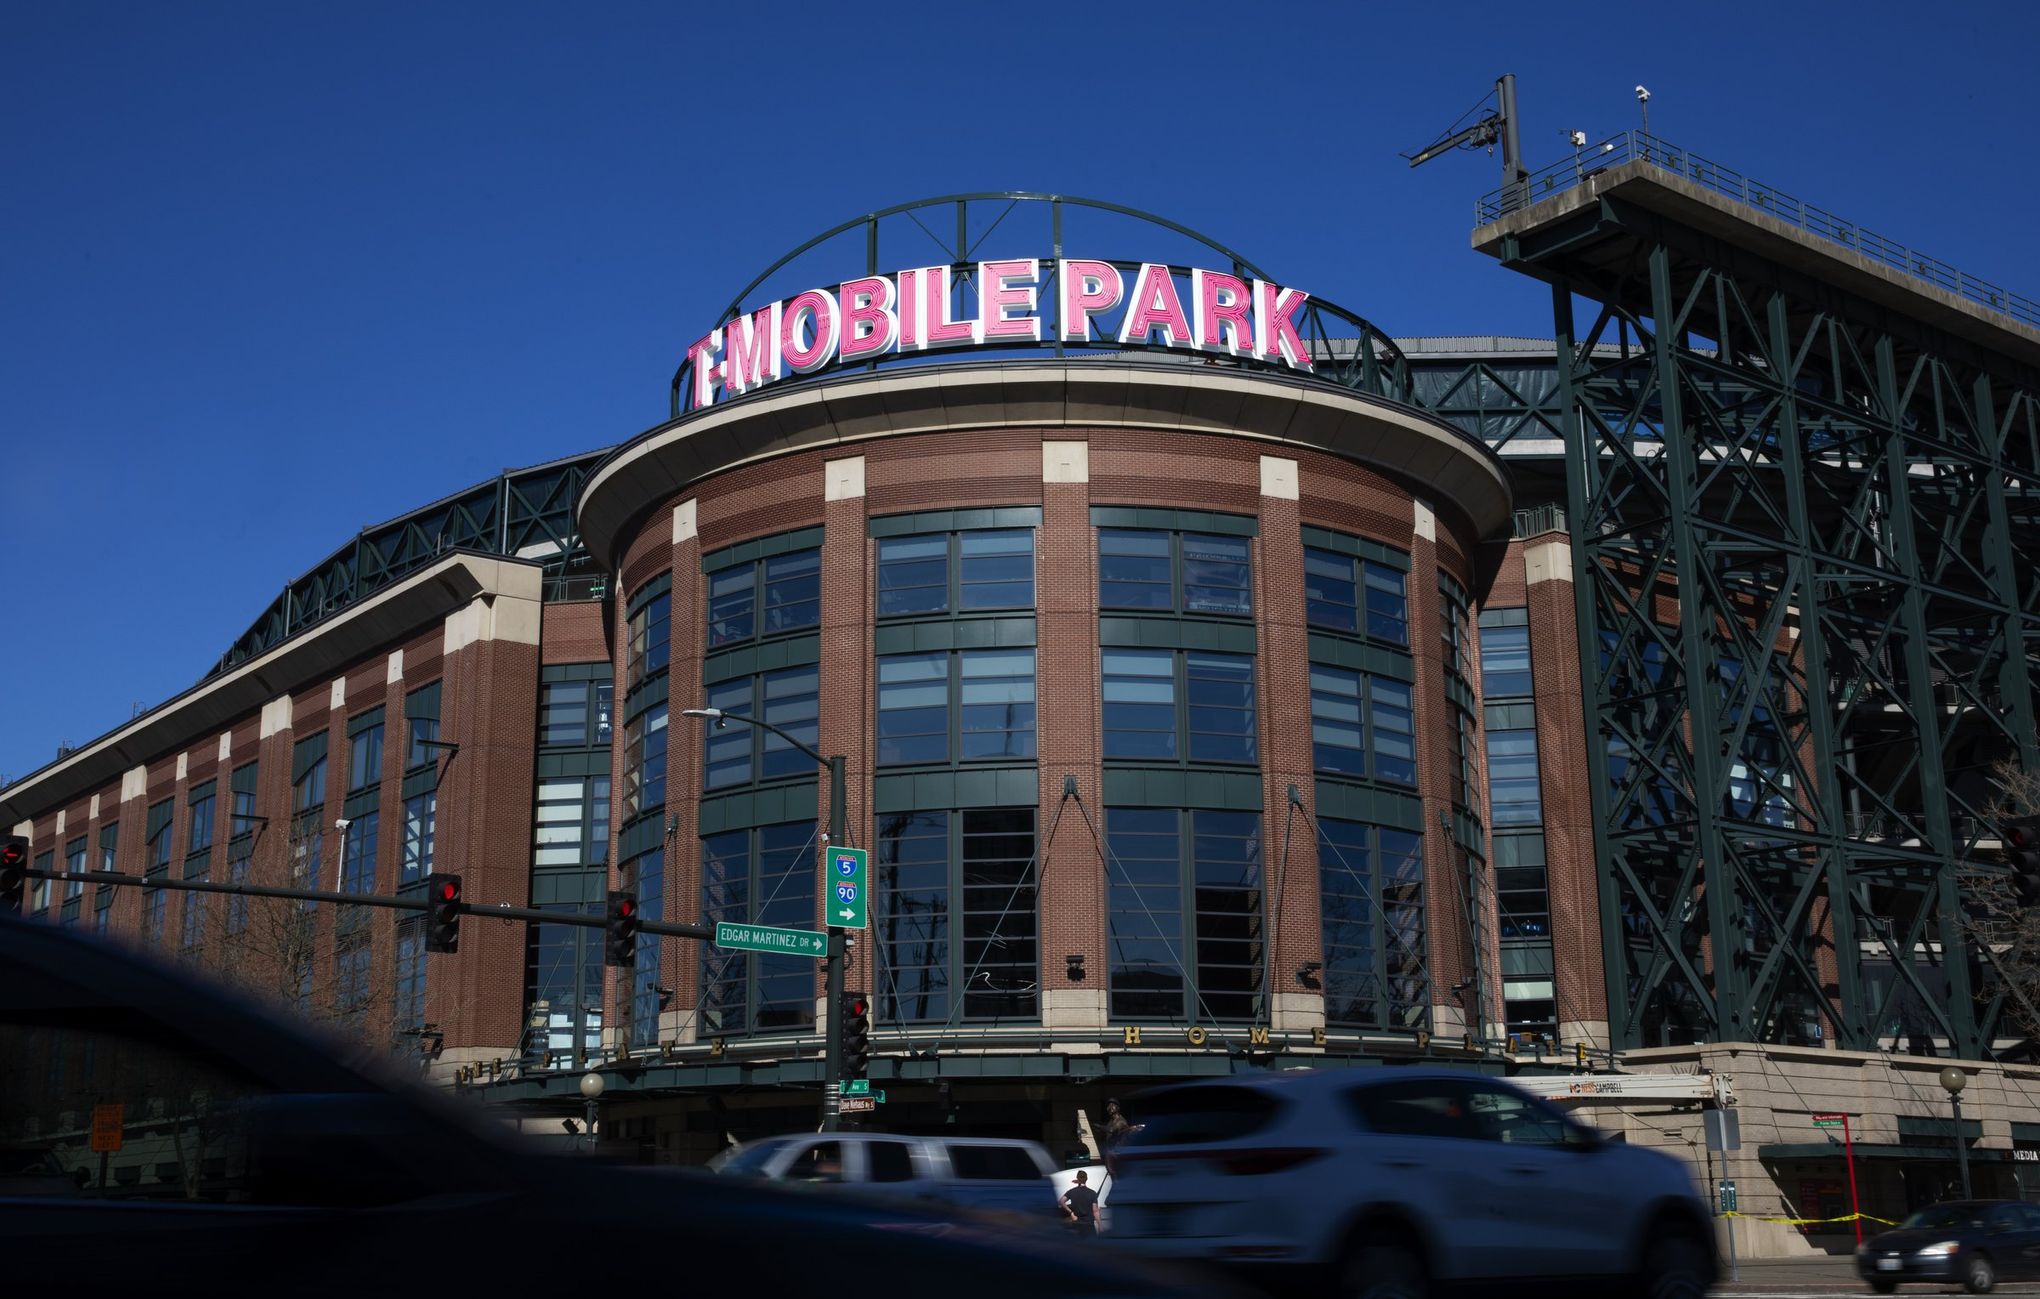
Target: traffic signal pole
(832,1052)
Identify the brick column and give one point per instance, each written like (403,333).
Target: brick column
(1571,873)
(1066,675)
(680,960)
(846,685)
(1294,925)
(488,702)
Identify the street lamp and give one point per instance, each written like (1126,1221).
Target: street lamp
(832,1054)
(1955,1080)
(591,1091)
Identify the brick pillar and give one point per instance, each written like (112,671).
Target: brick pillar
(1448,925)
(489,703)
(1571,873)
(846,686)
(1066,675)
(1294,926)
(680,960)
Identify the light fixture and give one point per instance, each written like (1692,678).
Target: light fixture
(1306,974)
(713,714)
(1076,970)
(591,1085)
(1954,1080)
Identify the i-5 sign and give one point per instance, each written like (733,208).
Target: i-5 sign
(847,888)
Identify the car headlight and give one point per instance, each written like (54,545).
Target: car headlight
(1941,1249)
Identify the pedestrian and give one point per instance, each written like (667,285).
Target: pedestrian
(1080,1205)
(1116,1126)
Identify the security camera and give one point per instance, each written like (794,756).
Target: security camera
(1642,95)
(1579,139)
(342,823)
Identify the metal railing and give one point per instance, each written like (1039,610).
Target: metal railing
(1636,146)
(1537,520)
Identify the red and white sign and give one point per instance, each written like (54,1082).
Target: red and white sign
(915,311)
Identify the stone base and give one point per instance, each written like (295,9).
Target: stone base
(1593,1033)
(1298,1012)
(1076,1009)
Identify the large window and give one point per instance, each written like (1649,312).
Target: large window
(74,865)
(421,718)
(350,974)
(408,1014)
(357,859)
(645,875)
(736,754)
(565,988)
(956,910)
(1513,797)
(39,893)
(1174,572)
(575,713)
(764,597)
(1504,658)
(649,635)
(242,811)
(1174,704)
(1371,899)
(199,834)
(573,822)
(1358,596)
(945,572)
(159,834)
(109,847)
(308,775)
(761,876)
(195,905)
(1183,913)
(364,750)
(1361,725)
(421,825)
(644,762)
(967,705)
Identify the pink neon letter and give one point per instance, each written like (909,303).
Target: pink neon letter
(814,310)
(1088,288)
(1224,312)
(870,325)
(996,294)
(909,298)
(706,368)
(936,326)
(1155,303)
(751,360)
(1275,311)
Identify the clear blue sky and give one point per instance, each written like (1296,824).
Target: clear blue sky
(273,272)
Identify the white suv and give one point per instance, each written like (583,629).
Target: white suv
(1387,1182)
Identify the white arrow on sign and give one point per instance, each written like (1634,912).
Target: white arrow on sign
(845,912)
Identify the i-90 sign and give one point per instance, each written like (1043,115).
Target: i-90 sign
(847,888)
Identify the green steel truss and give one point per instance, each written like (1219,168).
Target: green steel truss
(1804,535)
(525,512)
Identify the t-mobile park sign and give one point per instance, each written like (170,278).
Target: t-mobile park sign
(866,320)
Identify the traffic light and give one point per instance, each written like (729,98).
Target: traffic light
(2022,849)
(442,913)
(856,1035)
(619,931)
(13,873)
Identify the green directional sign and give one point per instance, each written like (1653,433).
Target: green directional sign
(769,938)
(857,1087)
(846,887)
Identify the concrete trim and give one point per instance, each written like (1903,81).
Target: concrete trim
(685,520)
(843,480)
(1547,561)
(336,698)
(1417,449)
(63,817)
(1278,478)
(362,629)
(1423,520)
(94,813)
(275,717)
(1065,462)
(226,746)
(183,769)
(395,671)
(134,783)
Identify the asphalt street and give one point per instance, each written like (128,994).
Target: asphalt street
(1825,1278)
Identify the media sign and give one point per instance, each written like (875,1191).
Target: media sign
(1088,303)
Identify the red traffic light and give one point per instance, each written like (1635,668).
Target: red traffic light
(856,1007)
(2016,836)
(448,890)
(14,852)
(626,908)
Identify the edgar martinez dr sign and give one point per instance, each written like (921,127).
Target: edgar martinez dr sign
(867,319)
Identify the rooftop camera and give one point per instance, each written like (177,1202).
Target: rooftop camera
(1579,139)
(342,823)
(1642,95)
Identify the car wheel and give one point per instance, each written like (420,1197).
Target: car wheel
(1884,1287)
(1371,1271)
(1979,1276)
(1674,1267)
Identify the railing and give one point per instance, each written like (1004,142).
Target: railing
(1537,520)
(1636,146)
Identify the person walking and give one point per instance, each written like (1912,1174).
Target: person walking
(1080,1203)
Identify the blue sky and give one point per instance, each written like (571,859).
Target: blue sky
(276,272)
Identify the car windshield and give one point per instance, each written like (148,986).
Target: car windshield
(1193,1115)
(1936,1217)
(748,1160)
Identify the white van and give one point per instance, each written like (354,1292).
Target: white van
(983,1173)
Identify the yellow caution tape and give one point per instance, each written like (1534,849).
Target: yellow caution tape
(1809,1222)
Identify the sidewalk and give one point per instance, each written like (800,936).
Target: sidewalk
(1831,1274)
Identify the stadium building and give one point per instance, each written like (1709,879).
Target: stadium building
(1222,685)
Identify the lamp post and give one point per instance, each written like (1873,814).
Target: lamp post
(1955,1080)
(832,1053)
(591,1091)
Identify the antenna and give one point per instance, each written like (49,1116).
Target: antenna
(1498,125)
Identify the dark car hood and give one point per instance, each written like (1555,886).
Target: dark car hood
(1907,1241)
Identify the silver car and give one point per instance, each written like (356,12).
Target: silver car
(987,1174)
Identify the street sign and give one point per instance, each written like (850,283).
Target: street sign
(768,938)
(1724,1130)
(857,1087)
(106,1128)
(857,1105)
(846,889)
(1829,1120)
